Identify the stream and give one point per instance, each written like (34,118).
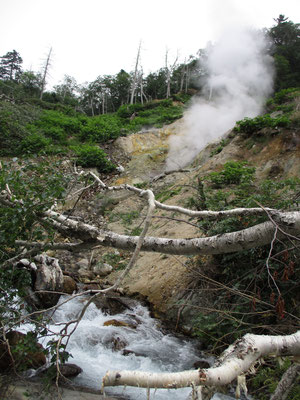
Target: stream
(139,343)
(97,348)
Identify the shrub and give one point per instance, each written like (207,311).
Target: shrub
(13,126)
(101,128)
(57,125)
(251,125)
(92,156)
(234,172)
(33,144)
(285,95)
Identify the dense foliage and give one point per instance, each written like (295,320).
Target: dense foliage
(255,290)
(282,114)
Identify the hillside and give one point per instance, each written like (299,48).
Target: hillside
(215,298)
(165,280)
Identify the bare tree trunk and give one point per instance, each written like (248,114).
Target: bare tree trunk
(169,71)
(183,75)
(142,88)
(234,362)
(187,79)
(135,75)
(45,73)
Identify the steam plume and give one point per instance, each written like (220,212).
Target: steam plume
(240,77)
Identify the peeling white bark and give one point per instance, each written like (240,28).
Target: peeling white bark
(90,236)
(235,361)
(248,238)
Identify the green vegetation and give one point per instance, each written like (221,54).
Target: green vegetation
(252,125)
(265,381)
(91,156)
(29,130)
(234,172)
(281,105)
(249,296)
(37,184)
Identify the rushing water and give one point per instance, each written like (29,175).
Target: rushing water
(94,348)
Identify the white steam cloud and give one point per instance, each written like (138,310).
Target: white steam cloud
(240,77)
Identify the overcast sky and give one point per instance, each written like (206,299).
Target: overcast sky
(97,37)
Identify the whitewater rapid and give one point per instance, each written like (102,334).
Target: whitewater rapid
(93,347)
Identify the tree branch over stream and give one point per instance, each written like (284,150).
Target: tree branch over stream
(234,362)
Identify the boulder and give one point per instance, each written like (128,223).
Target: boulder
(85,274)
(49,278)
(117,323)
(114,342)
(102,269)
(112,305)
(70,286)
(67,370)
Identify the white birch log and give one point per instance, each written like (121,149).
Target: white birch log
(235,361)
(91,237)
(245,239)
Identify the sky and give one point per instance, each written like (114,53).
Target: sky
(98,37)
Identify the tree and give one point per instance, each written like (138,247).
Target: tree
(31,83)
(134,81)
(67,90)
(286,38)
(232,364)
(45,72)
(169,71)
(120,88)
(10,66)
(155,85)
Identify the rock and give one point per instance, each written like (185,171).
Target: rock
(112,305)
(36,390)
(276,114)
(118,344)
(85,274)
(34,359)
(220,396)
(83,263)
(102,269)
(127,352)
(70,286)
(201,364)
(117,323)
(91,286)
(115,343)
(49,277)
(120,168)
(69,370)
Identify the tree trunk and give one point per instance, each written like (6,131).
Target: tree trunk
(135,76)
(235,361)
(46,71)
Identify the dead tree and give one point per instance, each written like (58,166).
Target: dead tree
(45,72)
